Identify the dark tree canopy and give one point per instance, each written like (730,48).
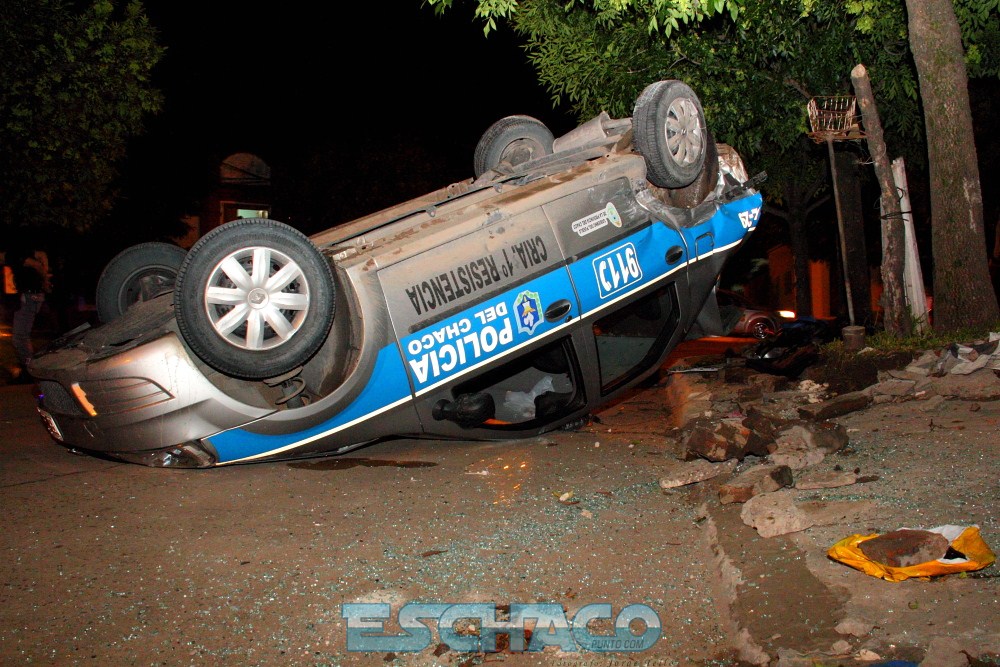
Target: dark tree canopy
(74,87)
(755,64)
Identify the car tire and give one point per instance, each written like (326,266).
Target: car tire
(697,191)
(761,328)
(513,140)
(669,130)
(136,274)
(227,312)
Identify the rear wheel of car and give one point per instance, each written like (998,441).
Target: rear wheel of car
(254,298)
(669,129)
(136,274)
(512,141)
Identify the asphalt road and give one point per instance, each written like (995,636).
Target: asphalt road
(105,563)
(109,563)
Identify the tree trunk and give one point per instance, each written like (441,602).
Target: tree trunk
(849,186)
(897,317)
(800,262)
(963,291)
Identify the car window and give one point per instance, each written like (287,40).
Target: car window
(630,336)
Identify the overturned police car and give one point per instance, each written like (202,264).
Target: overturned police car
(499,307)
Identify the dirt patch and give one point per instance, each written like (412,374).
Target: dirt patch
(843,371)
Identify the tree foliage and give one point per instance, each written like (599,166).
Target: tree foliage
(74,87)
(979,21)
(754,63)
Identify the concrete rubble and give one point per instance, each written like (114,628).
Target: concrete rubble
(779,435)
(682,473)
(754,482)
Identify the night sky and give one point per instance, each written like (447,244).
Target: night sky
(391,102)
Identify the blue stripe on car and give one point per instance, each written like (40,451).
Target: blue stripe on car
(386,389)
(488,330)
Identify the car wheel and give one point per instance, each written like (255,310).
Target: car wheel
(254,298)
(512,140)
(137,273)
(670,133)
(761,329)
(704,183)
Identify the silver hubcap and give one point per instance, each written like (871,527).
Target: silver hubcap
(685,136)
(521,151)
(257,298)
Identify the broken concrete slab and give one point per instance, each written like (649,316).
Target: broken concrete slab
(920,380)
(682,473)
(924,364)
(836,406)
(716,441)
(805,443)
(841,647)
(854,627)
(891,389)
(826,436)
(982,385)
(766,420)
(933,403)
(796,454)
(773,514)
(754,482)
(778,513)
(836,512)
(828,479)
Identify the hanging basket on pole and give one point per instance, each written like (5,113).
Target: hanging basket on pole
(834,118)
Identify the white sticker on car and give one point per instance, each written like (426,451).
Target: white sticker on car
(595,221)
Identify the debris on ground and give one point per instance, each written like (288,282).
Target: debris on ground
(755,481)
(905,547)
(959,359)
(854,627)
(907,553)
(682,473)
(825,479)
(775,514)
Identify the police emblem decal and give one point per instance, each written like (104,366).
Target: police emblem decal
(527,311)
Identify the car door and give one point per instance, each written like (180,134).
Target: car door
(471,313)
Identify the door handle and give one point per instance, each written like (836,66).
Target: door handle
(674,254)
(557,309)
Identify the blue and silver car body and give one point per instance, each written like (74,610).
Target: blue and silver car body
(496,308)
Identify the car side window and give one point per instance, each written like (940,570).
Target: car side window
(532,388)
(629,339)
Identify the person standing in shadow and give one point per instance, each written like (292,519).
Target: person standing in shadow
(33,280)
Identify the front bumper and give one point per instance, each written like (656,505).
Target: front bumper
(137,391)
